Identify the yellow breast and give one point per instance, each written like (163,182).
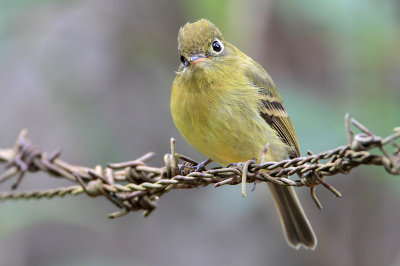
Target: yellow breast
(221,119)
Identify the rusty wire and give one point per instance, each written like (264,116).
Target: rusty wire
(134,185)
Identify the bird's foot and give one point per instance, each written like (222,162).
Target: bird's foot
(254,186)
(232,164)
(202,166)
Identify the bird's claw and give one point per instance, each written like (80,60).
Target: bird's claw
(202,166)
(254,186)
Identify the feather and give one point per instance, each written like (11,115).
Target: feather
(272,109)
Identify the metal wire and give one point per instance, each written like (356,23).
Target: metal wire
(134,185)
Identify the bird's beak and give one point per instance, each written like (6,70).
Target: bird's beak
(197,58)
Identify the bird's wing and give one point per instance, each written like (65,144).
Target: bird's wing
(271,107)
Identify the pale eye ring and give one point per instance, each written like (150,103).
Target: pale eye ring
(184,60)
(217,46)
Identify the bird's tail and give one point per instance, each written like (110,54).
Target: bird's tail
(295,224)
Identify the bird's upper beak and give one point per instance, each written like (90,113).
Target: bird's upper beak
(197,58)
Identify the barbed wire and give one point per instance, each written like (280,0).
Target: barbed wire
(134,185)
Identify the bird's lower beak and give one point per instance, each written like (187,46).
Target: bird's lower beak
(197,59)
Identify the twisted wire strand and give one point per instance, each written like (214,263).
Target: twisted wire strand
(134,185)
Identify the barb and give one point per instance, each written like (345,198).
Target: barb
(134,185)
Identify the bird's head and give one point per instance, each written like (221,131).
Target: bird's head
(201,47)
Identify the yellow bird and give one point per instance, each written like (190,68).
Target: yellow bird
(227,107)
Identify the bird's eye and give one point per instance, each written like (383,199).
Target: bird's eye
(184,61)
(217,46)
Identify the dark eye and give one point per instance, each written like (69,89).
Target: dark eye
(217,46)
(184,61)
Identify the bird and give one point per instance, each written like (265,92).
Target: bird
(228,108)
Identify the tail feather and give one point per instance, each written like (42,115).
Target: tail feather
(295,224)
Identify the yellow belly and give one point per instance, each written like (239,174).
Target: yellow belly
(224,127)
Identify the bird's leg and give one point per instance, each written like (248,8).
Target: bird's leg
(266,147)
(245,169)
(202,166)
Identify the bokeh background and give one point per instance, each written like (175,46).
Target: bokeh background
(94,78)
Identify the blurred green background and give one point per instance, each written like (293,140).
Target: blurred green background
(94,77)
